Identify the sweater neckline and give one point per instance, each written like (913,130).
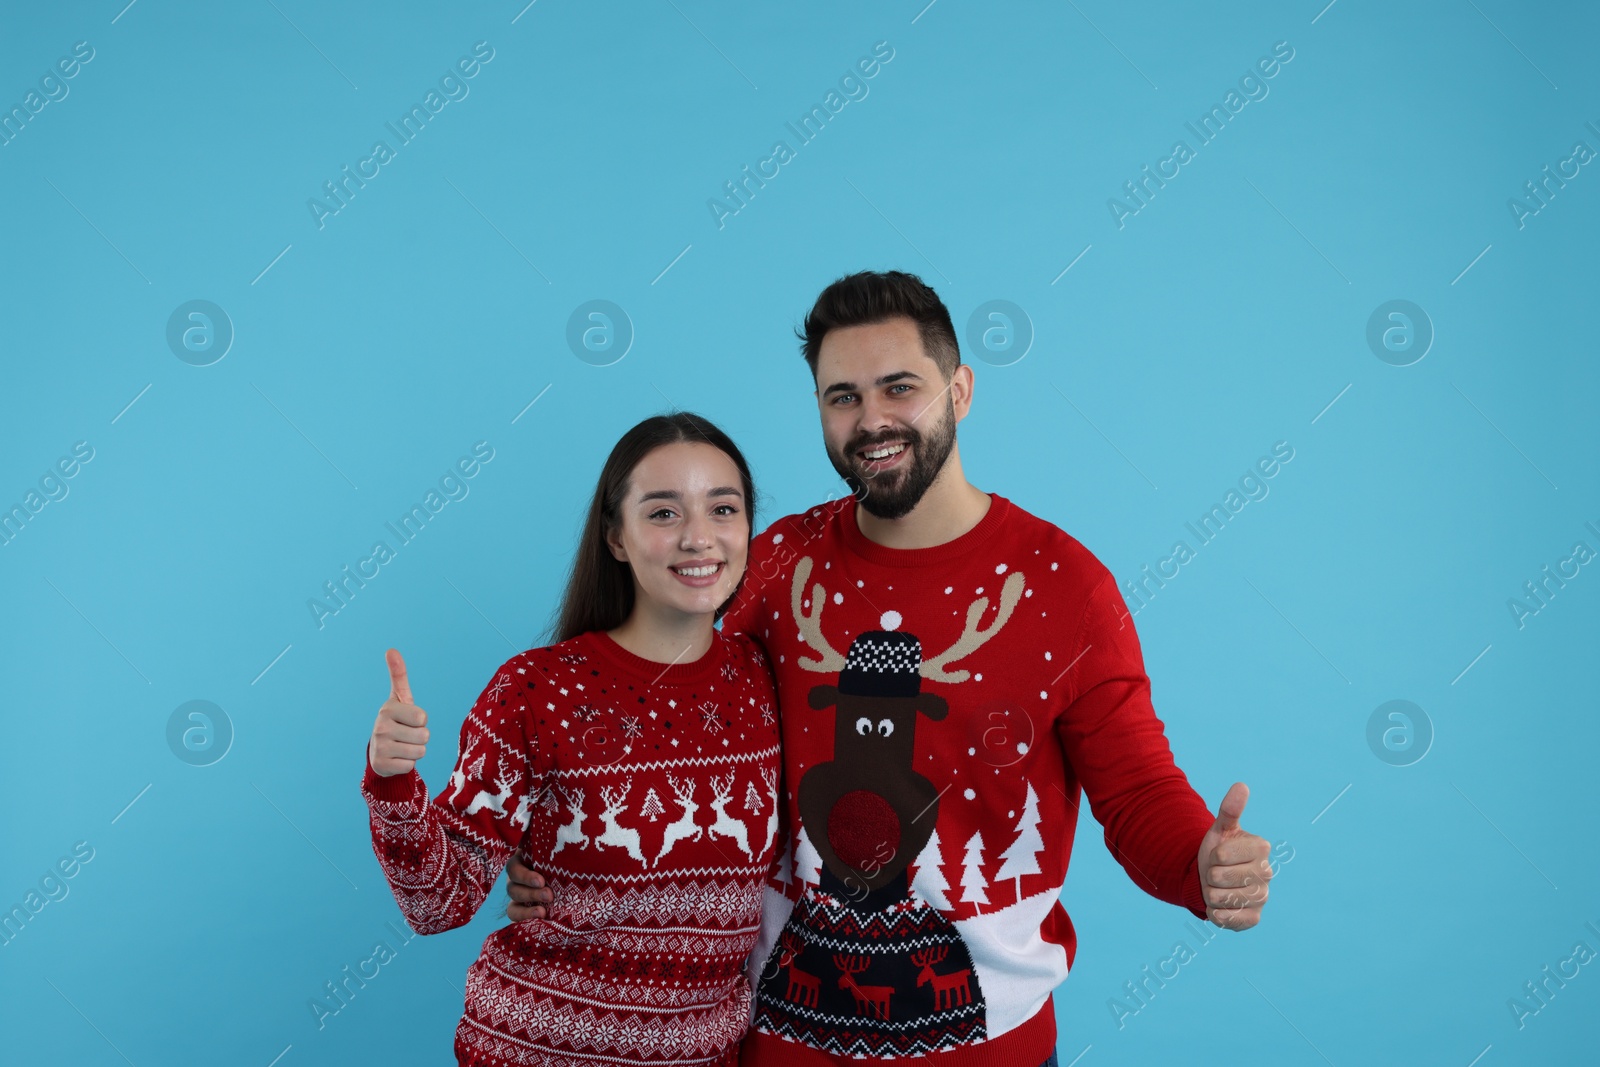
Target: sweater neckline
(655,672)
(859,544)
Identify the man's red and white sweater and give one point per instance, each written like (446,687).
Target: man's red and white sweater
(646,794)
(942,708)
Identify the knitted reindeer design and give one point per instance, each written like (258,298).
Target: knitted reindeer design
(869,813)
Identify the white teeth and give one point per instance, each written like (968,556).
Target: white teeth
(697,572)
(885,453)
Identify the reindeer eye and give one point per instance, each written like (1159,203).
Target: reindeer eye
(885,727)
(863,726)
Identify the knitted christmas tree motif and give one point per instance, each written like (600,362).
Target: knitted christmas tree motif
(864,966)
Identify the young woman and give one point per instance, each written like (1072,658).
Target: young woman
(634,761)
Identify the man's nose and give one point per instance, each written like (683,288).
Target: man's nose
(875,414)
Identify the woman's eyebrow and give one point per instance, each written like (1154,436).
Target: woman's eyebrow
(674,495)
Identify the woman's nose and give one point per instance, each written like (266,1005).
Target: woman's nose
(695,535)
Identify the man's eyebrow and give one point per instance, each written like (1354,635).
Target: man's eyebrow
(674,495)
(887,379)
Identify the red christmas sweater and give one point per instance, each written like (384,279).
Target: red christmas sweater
(941,710)
(646,794)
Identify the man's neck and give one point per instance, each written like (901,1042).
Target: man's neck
(951,506)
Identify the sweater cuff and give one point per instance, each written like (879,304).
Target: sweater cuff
(394,789)
(1190,895)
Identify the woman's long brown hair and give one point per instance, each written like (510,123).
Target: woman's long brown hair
(599,593)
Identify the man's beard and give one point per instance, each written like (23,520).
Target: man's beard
(892,494)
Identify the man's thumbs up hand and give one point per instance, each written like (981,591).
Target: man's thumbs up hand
(400,734)
(1233,866)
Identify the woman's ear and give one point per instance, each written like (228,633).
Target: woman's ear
(614,543)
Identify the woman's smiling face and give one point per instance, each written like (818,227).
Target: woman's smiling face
(685,529)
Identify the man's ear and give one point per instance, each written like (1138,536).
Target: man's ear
(961,390)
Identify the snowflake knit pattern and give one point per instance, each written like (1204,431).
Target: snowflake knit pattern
(577,753)
(942,710)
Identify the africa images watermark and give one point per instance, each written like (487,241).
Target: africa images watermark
(453,485)
(453,87)
(53,88)
(1252,486)
(1538,194)
(1536,595)
(53,887)
(852,86)
(52,486)
(1142,190)
(337,996)
(1539,994)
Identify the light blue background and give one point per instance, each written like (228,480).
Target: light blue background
(1226,315)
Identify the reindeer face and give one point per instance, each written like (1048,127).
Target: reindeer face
(875,733)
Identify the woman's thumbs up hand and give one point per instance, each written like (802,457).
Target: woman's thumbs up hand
(400,734)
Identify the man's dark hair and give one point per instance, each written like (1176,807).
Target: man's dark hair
(874,296)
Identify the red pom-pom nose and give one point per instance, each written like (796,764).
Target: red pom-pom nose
(863,830)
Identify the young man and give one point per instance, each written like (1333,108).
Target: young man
(952,671)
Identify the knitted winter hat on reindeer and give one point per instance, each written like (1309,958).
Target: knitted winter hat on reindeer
(883,663)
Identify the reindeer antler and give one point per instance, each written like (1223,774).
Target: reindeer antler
(828,661)
(973,636)
(852,964)
(615,798)
(930,955)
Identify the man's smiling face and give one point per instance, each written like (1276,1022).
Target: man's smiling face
(888,415)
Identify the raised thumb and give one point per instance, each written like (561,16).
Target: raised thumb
(1232,807)
(399,686)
